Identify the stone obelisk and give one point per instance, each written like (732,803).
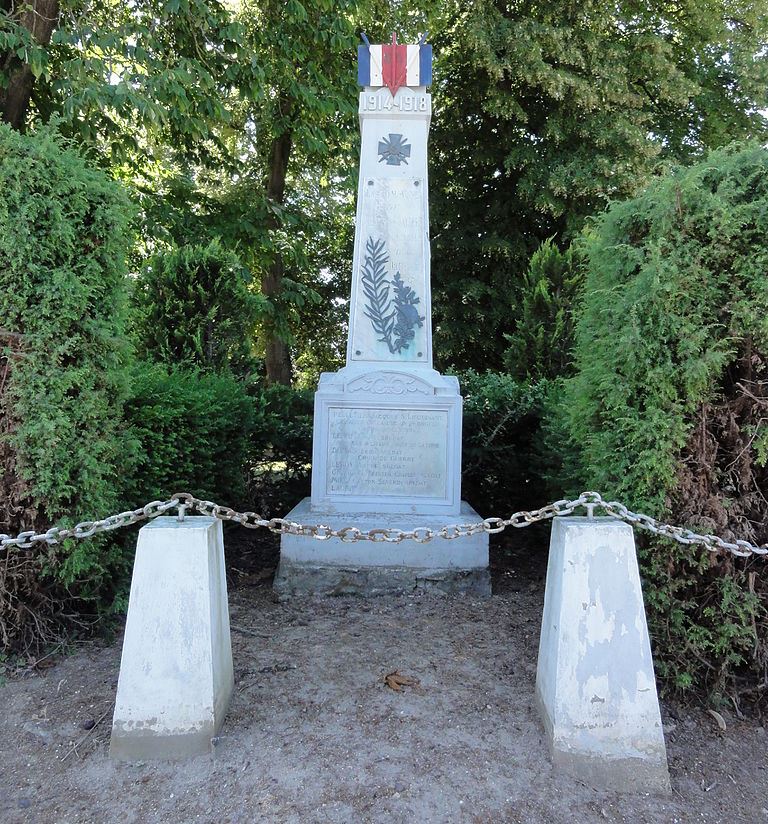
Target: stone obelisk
(387,427)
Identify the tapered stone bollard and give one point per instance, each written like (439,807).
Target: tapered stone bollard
(595,683)
(176,676)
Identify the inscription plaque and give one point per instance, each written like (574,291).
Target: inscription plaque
(383,451)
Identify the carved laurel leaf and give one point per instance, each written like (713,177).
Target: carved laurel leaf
(373,277)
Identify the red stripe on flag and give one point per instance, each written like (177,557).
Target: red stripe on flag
(394,62)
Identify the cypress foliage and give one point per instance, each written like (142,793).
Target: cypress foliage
(668,409)
(541,344)
(193,307)
(63,245)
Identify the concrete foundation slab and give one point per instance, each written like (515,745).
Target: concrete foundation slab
(336,567)
(176,676)
(595,683)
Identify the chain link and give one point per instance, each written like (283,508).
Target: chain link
(184,503)
(87,529)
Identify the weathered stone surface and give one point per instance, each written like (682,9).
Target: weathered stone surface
(387,441)
(391,261)
(300,579)
(335,567)
(595,682)
(176,676)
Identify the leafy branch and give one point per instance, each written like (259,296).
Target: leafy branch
(395,318)
(406,315)
(376,289)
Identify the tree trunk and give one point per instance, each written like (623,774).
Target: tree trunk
(39,19)
(278,356)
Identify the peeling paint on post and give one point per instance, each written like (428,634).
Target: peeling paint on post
(595,683)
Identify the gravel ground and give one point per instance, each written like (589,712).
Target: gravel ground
(314,734)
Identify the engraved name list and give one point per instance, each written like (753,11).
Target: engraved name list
(387,451)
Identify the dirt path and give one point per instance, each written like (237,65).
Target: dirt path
(314,735)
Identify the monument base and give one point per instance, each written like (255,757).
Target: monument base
(336,567)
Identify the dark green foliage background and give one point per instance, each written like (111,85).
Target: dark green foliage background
(193,306)
(501,468)
(195,434)
(280,466)
(547,299)
(546,112)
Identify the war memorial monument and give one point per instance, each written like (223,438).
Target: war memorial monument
(387,426)
(387,457)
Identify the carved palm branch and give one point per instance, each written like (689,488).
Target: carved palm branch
(373,277)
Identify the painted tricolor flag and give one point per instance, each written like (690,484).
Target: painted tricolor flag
(394,65)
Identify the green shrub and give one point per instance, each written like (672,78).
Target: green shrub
(194,432)
(501,471)
(64,234)
(541,344)
(194,307)
(282,455)
(237,444)
(667,410)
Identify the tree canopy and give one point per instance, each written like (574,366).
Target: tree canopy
(237,121)
(545,113)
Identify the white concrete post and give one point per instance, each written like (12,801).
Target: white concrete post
(595,683)
(176,676)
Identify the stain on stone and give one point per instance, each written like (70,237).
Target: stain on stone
(604,657)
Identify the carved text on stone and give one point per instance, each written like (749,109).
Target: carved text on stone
(387,451)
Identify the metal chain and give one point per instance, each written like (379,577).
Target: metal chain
(86,529)
(184,503)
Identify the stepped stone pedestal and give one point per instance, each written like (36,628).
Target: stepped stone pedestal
(387,427)
(334,567)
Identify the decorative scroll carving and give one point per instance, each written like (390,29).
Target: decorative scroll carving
(390,383)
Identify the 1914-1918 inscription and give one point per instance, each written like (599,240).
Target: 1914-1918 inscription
(400,452)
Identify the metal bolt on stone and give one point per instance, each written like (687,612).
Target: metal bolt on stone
(184,503)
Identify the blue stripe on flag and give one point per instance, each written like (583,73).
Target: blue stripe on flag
(425,65)
(363,66)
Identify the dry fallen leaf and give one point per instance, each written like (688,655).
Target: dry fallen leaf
(719,718)
(396,681)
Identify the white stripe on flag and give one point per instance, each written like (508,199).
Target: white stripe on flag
(412,66)
(376,74)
